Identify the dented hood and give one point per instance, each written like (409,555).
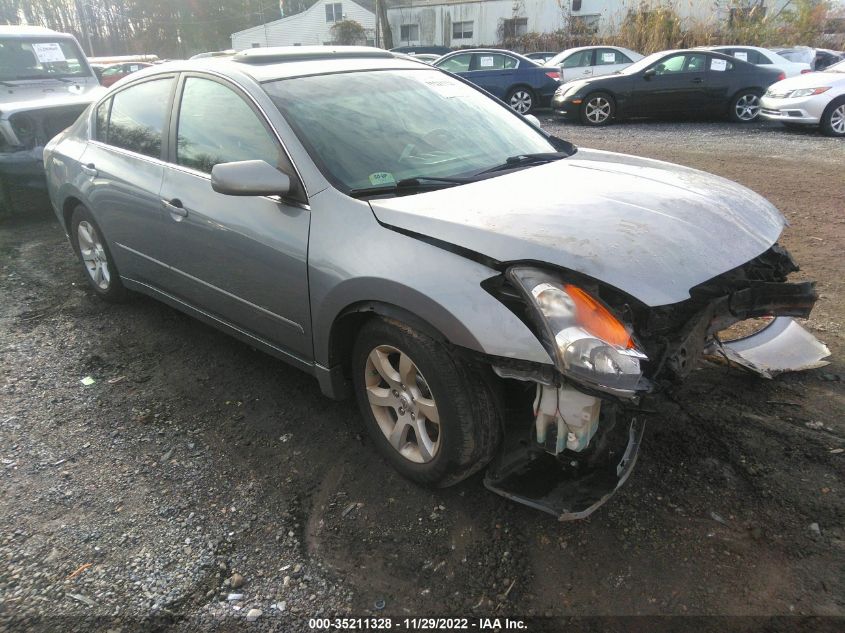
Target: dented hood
(651,229)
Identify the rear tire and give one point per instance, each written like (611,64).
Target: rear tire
(97,262)
(521,99)
(598,109)
(433,416)
(745,106)
(833,119)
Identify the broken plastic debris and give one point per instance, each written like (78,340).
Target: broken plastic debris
(782,346)
(87,381)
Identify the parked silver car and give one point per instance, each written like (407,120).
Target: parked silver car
(491,294)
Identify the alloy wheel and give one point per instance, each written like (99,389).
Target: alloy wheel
(747,107)
(597,110)
(837,119)
(402,404)
(93,255)
(521,101)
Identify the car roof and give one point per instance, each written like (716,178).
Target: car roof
(13,30)
(272,63)
(500,51)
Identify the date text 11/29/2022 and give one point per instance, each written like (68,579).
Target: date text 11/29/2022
(418,624)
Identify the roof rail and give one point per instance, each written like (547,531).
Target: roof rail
(279,54)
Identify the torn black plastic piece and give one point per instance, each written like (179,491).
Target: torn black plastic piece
(570,485)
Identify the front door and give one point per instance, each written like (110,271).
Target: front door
(677,85)
(241,259)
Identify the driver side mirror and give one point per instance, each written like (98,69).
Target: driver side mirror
(249,178)
(651,72)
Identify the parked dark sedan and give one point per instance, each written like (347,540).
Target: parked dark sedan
(694,82)
(520,82)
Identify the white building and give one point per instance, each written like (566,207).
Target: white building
(456,23)
(312,26)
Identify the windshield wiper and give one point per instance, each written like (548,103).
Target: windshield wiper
(523,160)
(415,183)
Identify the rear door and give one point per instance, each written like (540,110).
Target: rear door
(493,71)
(240,259)
(123,163)
(608,61)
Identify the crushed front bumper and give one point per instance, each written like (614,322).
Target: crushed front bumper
(570,485)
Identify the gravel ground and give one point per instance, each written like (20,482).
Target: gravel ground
(200,485)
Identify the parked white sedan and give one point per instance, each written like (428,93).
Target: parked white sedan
(592,61)
(764,57)
(813,99)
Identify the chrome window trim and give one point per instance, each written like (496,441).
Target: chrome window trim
(176,75)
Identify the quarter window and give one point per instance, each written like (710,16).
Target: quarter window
(137,117)
(461,30)
(202,139)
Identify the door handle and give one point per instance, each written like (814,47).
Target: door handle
(88,169)
(175,207)
(697,80)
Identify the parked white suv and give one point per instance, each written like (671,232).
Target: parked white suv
(764,57)
(813,99)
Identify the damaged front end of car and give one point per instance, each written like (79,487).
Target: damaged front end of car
(611,351)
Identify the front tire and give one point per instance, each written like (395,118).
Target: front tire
(598,109)
(521,99)
(833,119)
(90,246)
(745,107)
(432,415)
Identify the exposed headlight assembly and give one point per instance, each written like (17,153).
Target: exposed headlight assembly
(588,343)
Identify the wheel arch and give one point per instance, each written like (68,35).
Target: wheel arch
(68,205)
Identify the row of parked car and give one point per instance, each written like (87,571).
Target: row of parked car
(597,85)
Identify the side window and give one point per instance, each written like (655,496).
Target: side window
(493,61)
(202,142)
(137,117)
(670,65)
(696,63)
(102,121)
(457,64)
(608,56)
(579,59)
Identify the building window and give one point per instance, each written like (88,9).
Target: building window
(586,24)
(576,5)
(515,27)
(409,32)
(334,12)
(461,30)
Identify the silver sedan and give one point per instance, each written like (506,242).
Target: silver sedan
(492,295)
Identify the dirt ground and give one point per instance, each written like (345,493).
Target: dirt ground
(192,458)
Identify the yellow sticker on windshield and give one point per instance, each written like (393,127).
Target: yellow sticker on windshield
(382,178)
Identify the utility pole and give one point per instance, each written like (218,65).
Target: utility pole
(378,35)
(82,17)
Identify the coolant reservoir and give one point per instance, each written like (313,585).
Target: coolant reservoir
(565,418)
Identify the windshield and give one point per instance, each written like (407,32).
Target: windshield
(42,58)
(557,60)
(374,128)
(644,63)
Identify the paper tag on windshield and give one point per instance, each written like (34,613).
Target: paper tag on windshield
(486,62)
(47,52)
(382,178)
(718,64)
(741,55)
(608,58)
